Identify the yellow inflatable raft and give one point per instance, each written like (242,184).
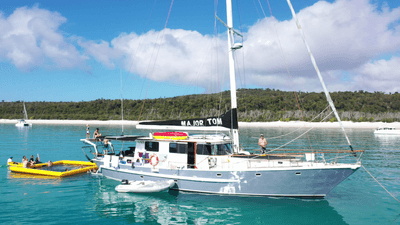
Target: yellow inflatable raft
(43,169)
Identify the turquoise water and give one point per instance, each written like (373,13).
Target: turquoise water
(85,199)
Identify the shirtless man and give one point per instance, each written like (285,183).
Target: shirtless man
(262,142)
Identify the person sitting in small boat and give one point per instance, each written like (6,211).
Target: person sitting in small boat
(27,164)
(50,163)
(32,160)
(37,160)
(24,159)
(10,160)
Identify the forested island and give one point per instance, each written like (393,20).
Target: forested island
(254,105)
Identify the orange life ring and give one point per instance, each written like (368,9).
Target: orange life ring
(151,160)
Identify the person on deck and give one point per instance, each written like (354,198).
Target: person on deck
(262,142)
(96,133)
(107,146)
(87,131)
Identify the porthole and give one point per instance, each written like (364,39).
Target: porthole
(258,174)
(142,177)
(219,175)
(298,173)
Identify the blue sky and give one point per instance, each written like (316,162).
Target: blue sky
(86,50)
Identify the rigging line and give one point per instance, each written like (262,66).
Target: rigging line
(241,31)
(301,134)
(140,40)
(296,138)
(122,103)
(219,88)
(328,97)
(158,50)
(300,127)
(286,64)
(193,81)
(380,184)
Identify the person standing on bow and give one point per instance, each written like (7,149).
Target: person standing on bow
(262,142)
(87,131)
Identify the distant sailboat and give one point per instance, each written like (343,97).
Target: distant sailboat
(22,122)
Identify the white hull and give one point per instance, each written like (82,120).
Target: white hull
(387,130)
(261,178)
(23,123)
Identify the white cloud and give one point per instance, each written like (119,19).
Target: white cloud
(344,37)
(176,56)
(382,75)
(30,38)
(101,51)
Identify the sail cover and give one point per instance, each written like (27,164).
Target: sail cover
(223,122)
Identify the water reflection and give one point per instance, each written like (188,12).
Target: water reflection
(387,140)
(188,208)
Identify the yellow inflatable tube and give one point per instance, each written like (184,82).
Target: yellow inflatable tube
(86,166)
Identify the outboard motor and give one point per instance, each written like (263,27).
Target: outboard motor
(125,181)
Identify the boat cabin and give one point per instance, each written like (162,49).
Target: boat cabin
(192,152)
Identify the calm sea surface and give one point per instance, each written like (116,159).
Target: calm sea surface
(85,199)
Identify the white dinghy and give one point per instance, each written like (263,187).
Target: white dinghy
(144,186)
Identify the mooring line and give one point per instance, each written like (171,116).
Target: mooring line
(380,184)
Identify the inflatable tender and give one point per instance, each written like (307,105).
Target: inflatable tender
(44,170)
(144,186)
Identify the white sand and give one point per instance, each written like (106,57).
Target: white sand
(346,124)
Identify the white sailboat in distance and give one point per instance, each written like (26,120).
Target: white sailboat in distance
(23,122)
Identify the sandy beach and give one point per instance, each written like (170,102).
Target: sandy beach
(346,124)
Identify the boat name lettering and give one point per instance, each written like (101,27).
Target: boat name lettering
(198,123)
(214,121)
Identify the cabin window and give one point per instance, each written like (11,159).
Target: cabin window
(173,147)
(223,149)
(182,148)
(203,149)
(151,146)
(177,148)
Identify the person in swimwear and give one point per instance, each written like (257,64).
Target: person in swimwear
(96,133)
(87,131)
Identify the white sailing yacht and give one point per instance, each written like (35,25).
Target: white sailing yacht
(22,122)
(215,163)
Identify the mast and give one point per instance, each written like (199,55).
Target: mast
(25,113)
(234,126)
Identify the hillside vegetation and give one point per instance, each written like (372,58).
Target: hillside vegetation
(254,105)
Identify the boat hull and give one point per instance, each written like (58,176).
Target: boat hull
(145,186)
(298,182)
